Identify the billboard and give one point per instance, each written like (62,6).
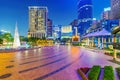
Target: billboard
(66,31)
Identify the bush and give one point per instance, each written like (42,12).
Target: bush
(94,73)
(108,49)
(108,73)
(118,72)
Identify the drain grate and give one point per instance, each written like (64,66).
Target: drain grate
(5,76)
(10,66)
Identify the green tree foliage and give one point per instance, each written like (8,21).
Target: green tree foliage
(33,41)
(24,39)
(1,39)
(8,37)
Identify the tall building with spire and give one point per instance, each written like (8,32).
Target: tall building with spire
(37,21)
(16,43)
(85,15)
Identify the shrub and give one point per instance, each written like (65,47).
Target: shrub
(94,73)
(118,72)
(108,73)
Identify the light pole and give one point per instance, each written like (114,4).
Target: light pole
(114,39)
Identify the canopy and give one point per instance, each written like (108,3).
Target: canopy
(103,32)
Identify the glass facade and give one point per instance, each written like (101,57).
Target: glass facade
(84,15)
(66,32)
(115,7)
(49,28)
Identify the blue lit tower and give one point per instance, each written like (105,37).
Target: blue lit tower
(85,15)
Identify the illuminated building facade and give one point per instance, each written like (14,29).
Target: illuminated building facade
(109,24)
(66,32)
(74,24)
(37,21)
(85,15)
(57,31)
(106,14)
(49,28)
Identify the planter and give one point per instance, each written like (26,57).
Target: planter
(82,74)
(84,70)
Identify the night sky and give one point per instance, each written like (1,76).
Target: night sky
(62,12)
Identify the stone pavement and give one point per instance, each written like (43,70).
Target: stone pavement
(50,63)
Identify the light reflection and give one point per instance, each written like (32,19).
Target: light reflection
(58,46)
(39,49)
(18,55)
(34,50)
(75,51)
(26,53)
(69,48)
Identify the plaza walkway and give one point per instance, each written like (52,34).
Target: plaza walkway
(49,63)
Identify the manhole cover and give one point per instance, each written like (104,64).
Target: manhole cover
(9,66)
(5,76)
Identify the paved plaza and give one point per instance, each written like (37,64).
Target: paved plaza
(50,63)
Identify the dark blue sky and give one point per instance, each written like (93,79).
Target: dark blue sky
(62,12)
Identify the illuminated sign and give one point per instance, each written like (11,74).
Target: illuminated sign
(66,29)
(66,32)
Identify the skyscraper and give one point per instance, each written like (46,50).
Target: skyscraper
(115,8)
(49,28)
(85,15)
(74,24)
(106,14)
(37,21)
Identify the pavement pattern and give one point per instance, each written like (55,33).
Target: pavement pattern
(49,63)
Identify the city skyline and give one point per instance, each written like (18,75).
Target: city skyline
(18,11)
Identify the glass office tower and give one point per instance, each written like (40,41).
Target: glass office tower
(85,15)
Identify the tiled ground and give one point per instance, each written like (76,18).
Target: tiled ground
(49,63)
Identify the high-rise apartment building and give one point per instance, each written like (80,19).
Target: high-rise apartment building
(85,15)
(37,21)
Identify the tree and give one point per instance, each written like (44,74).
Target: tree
(1,39)
(24,39)
(43,38)
(8,37)
(32,41)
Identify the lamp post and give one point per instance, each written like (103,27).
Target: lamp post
(114,39)
(114,32)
